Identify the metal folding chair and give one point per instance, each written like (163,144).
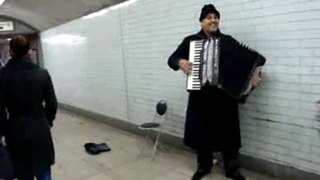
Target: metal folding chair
(157,123)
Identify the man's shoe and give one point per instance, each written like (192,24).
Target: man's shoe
(236,176)
(200,173)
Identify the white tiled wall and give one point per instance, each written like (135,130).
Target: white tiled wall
(86,61)
(120,69)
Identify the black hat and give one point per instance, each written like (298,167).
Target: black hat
(207,9)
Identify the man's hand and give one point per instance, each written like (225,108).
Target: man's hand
(185,66)
(256,80)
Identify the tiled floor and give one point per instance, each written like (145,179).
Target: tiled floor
(129,159)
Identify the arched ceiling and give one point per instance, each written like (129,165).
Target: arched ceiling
(44,14)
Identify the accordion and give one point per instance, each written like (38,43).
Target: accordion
(235,68)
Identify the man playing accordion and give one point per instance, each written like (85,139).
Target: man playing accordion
(225,70)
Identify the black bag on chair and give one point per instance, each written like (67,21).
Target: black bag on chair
(6,167)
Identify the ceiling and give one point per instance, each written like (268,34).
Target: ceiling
(44,14)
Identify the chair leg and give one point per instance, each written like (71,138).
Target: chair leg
(155,147)
(148,138)
(146,135)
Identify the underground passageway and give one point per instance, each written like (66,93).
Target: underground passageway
(109,64)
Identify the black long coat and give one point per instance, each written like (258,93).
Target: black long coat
(28,107)
(212,119)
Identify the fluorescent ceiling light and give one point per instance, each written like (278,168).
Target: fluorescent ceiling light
(95,14)
(104,11)
(2,1)
(124,4)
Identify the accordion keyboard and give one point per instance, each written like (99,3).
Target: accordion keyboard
(195,56)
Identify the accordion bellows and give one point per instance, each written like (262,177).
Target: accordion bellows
(237,64)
